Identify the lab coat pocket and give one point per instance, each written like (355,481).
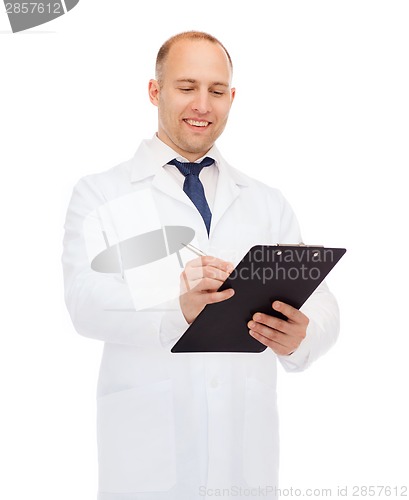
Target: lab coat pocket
(261,446)
(136,439)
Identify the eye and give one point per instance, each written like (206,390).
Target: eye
(186,89)
(217,92)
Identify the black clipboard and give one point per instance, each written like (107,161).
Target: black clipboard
(289,273)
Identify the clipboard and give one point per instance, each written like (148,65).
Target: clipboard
(289,273)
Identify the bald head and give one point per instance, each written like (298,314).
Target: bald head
(187,35)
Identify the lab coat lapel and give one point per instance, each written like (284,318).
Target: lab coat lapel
(148,164)
(228,189)
(166,185)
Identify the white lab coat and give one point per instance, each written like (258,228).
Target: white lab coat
(183,426)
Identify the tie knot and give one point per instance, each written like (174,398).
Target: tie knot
(187,168)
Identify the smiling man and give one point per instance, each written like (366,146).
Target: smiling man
(186,426)
(193,93)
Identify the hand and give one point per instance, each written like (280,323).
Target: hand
(198,284)
(283,337)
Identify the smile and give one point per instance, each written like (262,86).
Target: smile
(196,123)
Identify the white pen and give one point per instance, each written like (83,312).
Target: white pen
(193,249)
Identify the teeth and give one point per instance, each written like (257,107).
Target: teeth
(197,124)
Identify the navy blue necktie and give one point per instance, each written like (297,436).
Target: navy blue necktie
(193,186)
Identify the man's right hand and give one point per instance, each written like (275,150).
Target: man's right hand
(198,284)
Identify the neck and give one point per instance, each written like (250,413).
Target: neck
(192,157)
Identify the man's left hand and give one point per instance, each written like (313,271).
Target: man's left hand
(283,337)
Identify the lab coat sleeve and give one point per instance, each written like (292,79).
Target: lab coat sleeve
(100,305)
(321,308)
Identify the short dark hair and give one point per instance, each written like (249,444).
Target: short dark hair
(186,35)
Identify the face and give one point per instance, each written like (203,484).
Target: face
(194,97)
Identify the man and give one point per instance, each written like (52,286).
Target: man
(185,426)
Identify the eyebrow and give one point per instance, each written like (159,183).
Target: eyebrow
(191,80)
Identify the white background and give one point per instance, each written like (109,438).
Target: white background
(322,112)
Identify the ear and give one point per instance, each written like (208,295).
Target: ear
(154,90)
(233,94)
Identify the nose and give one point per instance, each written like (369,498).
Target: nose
(201,103)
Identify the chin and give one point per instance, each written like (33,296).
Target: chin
(198,147)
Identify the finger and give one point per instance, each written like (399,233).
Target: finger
(205,284)
(199,285)
(197,262)
(294,315)
(202,299)
(209,260)
(197,273)
(209,266)
(273,322)
(269,333)
(276,346)
(214,297)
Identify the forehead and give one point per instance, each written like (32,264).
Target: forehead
(195,59)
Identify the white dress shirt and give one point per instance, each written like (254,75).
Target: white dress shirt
(208,175)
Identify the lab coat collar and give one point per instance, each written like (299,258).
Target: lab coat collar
(153,154)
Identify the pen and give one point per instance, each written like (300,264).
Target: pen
(193,249)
